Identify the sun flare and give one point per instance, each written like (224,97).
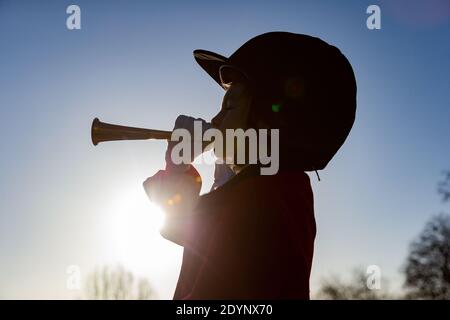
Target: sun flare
(134,225)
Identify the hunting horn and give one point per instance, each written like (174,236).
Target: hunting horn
(102,131)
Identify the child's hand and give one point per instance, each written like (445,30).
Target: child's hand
(176,192)
(187,123)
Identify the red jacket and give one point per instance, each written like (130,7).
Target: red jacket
(252,238)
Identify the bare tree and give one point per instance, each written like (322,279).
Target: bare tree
(427,268)
(117,284)
(444,187)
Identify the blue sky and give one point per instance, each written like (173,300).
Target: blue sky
(132,63)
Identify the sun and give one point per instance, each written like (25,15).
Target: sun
(134,225)
(130,233)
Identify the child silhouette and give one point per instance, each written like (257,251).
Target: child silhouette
(252,237)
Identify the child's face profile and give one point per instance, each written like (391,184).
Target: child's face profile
(233,114)
(235,108)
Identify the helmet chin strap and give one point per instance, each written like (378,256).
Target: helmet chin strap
(317,174)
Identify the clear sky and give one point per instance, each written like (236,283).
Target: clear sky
(65,202)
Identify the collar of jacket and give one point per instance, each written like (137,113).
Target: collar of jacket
(214,197)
